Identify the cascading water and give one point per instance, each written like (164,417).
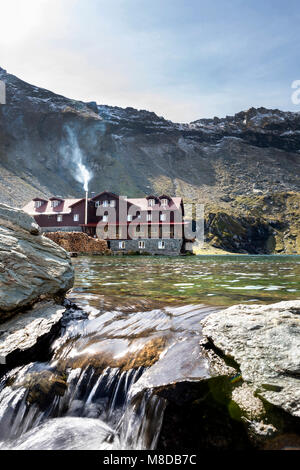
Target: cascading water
(72,153)
(92,404)
(96,392)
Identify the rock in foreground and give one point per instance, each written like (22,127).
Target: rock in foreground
(25,334)
(264,340)
(32,267)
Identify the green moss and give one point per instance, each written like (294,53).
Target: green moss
(234,411)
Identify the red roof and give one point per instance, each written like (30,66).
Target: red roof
(143,204)
(46,209)
(65,207)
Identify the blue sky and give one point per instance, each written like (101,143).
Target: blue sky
(183,59)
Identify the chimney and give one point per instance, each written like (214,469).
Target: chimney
(86,208)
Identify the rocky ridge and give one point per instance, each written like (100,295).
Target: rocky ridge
(217,162)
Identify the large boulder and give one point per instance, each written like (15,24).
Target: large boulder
(32,267)
(264,341)
(29,333)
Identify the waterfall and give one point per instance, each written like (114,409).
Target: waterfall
(97,391)
(92,402)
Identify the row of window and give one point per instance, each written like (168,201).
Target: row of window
(151,202)
(162,218)
(38,204)
(112,203)
(142,245)
(59,218)
(106,203)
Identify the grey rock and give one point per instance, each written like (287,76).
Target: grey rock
(264,340)
(22,334)
(13,218)
(183,361)
(32,267)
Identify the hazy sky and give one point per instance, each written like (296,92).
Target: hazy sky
(183,59)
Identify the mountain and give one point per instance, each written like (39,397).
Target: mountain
(244,168)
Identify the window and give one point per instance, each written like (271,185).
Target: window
(151,202)
(149,217)
(141,244)
(59,218)
(55,203)
(121,245)
(164,202)
(76,217)
(112,203)
(97,203)
(161,245)
(129,218)
(138,215)
(162,217)
(37,204)
(105,203)
(105,218)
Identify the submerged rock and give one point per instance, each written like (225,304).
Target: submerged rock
(68,433)
(264,341)
(43,386)
(32,267)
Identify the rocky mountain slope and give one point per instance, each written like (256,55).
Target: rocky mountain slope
(218,162)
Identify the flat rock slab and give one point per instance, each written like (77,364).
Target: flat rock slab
(265,342)
(22,335)
(182,362)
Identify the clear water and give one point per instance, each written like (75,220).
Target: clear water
(212,280)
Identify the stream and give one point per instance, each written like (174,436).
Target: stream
(136,327)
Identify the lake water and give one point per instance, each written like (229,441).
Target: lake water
(212,280)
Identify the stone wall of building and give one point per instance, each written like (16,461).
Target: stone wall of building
(173,246)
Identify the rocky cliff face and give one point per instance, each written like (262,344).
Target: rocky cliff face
(211,161)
